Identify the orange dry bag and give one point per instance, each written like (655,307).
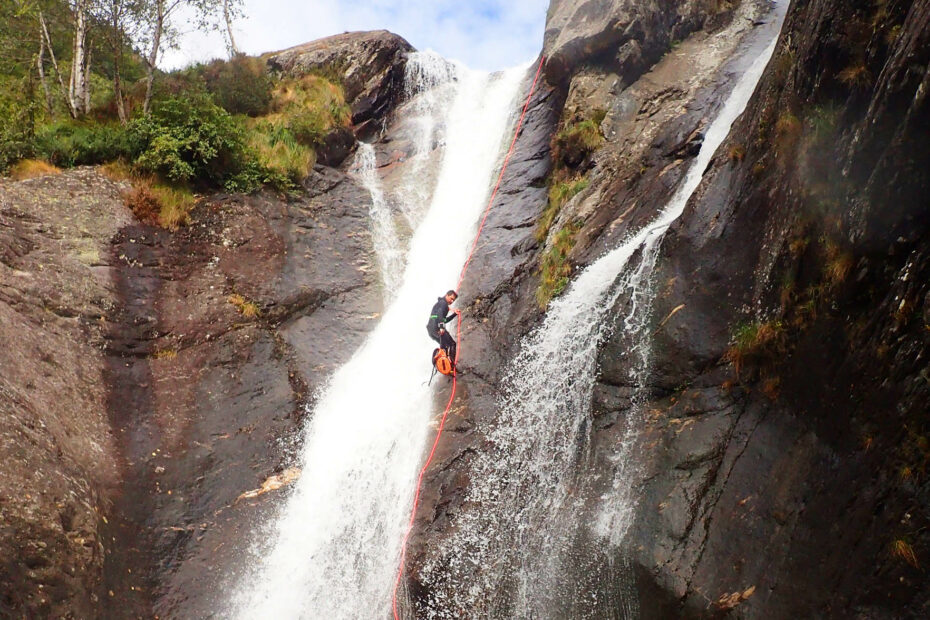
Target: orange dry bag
(442,362)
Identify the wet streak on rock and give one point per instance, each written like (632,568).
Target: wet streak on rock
(129,569)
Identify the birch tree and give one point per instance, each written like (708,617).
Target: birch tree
(231,10)
(78,85)
(160,29)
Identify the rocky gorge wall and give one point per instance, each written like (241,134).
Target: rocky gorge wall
(788,444)
(784,433)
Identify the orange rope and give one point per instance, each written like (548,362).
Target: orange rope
(458,331)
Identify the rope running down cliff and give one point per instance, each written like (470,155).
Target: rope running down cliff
(458,332)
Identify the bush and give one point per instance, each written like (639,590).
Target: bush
(70,143)
(190,139)
(240,85)
(16,139)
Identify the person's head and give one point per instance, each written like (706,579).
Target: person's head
(451,296)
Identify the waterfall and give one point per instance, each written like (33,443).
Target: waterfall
(430,88)
(384,235)
(538,532)
(335,543)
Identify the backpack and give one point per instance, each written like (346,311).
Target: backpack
(442,362)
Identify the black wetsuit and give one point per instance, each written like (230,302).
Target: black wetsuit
(438,317)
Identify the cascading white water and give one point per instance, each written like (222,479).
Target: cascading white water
(384,235)
(529,551)
(336,542)
(430,87)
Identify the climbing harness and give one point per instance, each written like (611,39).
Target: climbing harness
(458,330)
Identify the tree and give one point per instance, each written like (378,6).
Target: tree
(231,9)
(79,83)
(122,19)
(159,29)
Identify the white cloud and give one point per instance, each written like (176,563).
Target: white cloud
(484,34)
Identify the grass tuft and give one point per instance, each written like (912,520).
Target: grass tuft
(755,341)
(771,388)
(737,153)
(575,141)
(856,76)
(117,170)
(248,309)
(159,204)
(32,168)
(560,192)
(309,107)
(165,354)
(902,550)
(787,132)
(838,265)
(555,267)
(279,151)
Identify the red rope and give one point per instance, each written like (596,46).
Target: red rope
(458,331)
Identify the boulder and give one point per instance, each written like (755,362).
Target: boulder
(369,65)
(622,36)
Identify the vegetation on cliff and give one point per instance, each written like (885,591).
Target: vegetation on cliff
(225,124)
(571,149)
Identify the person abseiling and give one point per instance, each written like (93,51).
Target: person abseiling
(436,328)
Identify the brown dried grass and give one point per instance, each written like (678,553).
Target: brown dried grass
(32,168)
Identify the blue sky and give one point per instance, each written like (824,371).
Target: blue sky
(484,34)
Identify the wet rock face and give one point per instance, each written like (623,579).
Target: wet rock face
(648,126)
(370,66)
(155,378)
(785,487)
(56,448)
(623,36)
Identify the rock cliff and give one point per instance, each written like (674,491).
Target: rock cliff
(155,377)
(784,413)
(155,382)
(787,452)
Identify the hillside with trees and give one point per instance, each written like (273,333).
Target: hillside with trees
(80,84)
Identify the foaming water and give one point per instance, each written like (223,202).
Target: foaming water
(542,543)
(384,234)
(336,541)
(430,85)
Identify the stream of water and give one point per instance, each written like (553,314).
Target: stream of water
(335,544)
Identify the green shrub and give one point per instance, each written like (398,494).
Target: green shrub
(190,139)
(240,85)
(72,143)
(16,134)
